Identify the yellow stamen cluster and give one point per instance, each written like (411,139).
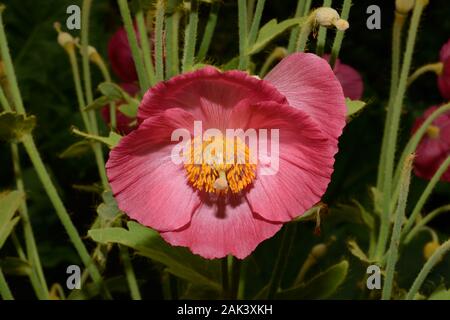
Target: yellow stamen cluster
(214,170)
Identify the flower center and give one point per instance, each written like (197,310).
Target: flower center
(220,166)
(433,131)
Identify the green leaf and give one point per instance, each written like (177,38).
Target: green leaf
(9,204)
(354,106)
(77,149)
(98,103)
(112,91)
(322,286)
(130,109)
(357,252)
(441,293)
(14,126)
(271,30)
(179,261)
(111,141)
(109,209)
(15,266)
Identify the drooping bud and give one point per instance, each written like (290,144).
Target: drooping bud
(319,250)
(404,6)
(327,17)
(92,54)
(65,40)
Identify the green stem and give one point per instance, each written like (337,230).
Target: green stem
(399,22)
(437,68)
(340,34)
(172,44)
(60,209)
(395,240)
(235,278)
(190,38)
(322,38)
(159,40)
(394,125)
(9,67)
(426,194)
(256,22)
(4,101)
(132,39)
(225,279)
(423,222)
(434,259)
(209,31)
(277,53)
(32,252)
(305,32)
(146,48)
(5,292)
(243,33)
(283,255)
(295,31)
(129,272)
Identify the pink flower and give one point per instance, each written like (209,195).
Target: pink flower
(214,209)
(349,78)
(120,56)
(124,123)
(444,78)
(434,147)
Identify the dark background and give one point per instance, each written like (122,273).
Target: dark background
(46,83)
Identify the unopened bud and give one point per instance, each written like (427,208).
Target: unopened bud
(319,250)
(64,39)
(430,248)
(327,17)
(404,6)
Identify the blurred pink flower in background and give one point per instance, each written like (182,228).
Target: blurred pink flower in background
(444,78)
(434,147)
(120,56)
(124,124)
(350,79)
(217,209)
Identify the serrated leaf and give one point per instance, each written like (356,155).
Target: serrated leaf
(271,30)
(112,91)
(322,286)
(130,109)
(179,261)
(15,266)
(354,106)
(77,149)
(14,126)
(441,293)
(98,103)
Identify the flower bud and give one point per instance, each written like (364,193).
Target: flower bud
(319,250)
(64,39)
(342,25)
(404,6)
(430,248)
(326,17)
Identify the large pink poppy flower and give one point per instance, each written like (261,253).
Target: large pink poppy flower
(218,210)
(434,147)
(444,78)
(350,79)
(124,123)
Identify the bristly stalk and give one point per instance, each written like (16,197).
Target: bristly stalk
(394,125)
(395,239)
(146,48)
(159,40)
(172,41)
(190,37)
(295,31)
(243,34)
(322,38)
(340,34)
(209,31)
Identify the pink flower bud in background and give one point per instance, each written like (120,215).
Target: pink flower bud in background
(444,78)
(120,56)
(434,147)
(350,79)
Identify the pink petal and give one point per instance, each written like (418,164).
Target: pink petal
(120,57)
(444,81)
(306,161)
(217,230)
(350,80)
(208,94)
(309,84)
(148,186)
(444,55)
